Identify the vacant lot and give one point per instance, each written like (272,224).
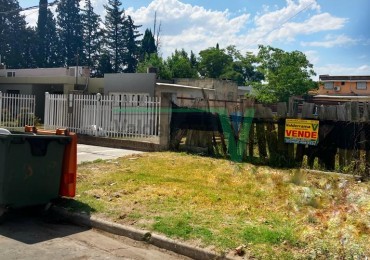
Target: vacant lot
(221,205)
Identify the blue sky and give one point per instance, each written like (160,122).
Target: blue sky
(334,34)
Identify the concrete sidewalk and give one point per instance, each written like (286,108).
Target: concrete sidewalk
(131,232)
(89,153)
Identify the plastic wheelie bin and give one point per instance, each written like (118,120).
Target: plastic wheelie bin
(69,169)
(30,168)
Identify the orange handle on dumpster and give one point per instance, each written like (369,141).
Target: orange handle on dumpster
(69,169)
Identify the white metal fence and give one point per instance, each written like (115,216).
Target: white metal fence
(16,110)
(102,115)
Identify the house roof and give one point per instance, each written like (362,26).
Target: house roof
(341,98)
(343,78)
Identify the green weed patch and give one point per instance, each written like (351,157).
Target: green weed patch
(216,203)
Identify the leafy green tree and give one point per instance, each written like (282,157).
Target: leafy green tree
(214,62)
(114,37)
(70,31)
(155,61)
(286,74)
(147,44)
(132,45)
(92,34)
(180,65)
(243,69)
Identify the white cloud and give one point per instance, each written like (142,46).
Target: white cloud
(331,41)
(33,14)
(288,31)
(188,26)
(270,19)
(312,56)
(339,69)
(194,27)
(31,17)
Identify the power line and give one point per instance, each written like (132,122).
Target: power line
(281,24)
(29,8)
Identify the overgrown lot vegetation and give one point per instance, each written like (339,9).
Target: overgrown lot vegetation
(215,203)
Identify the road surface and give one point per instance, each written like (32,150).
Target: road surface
(29,235)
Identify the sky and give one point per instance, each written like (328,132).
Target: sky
(334,34)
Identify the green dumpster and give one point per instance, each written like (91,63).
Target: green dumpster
(30,169)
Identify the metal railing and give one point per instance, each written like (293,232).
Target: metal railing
(17,110)
(103,115)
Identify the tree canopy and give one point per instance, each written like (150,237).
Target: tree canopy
(70,31)
(286,74)
(180,65)
(13,35)
(117,46)
(155,61)
(147,44)
(214,62)
(92,34)
(113,33)
(132,45)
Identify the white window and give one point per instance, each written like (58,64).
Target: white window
(329,85)
(361,85)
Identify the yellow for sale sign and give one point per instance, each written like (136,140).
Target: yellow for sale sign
(298,131)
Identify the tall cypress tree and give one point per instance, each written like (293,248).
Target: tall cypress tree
(104,65)
(92,35)
(114,23)
(47,38)
(13,35)
(132,45)
(147,45)
(41,33)
(70,31)
(52,47)
(30,48)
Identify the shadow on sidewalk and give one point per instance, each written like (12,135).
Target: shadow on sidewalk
(32,225)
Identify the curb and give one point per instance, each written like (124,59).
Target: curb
(120,143)
(136,234)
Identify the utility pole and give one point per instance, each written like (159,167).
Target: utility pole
(77,59)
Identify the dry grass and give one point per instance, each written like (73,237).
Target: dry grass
(221,205)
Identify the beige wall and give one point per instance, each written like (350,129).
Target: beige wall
(184,92)
(96,85)
(130,82)
(43,80)
(224,89)
(47,72)
(200,83)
